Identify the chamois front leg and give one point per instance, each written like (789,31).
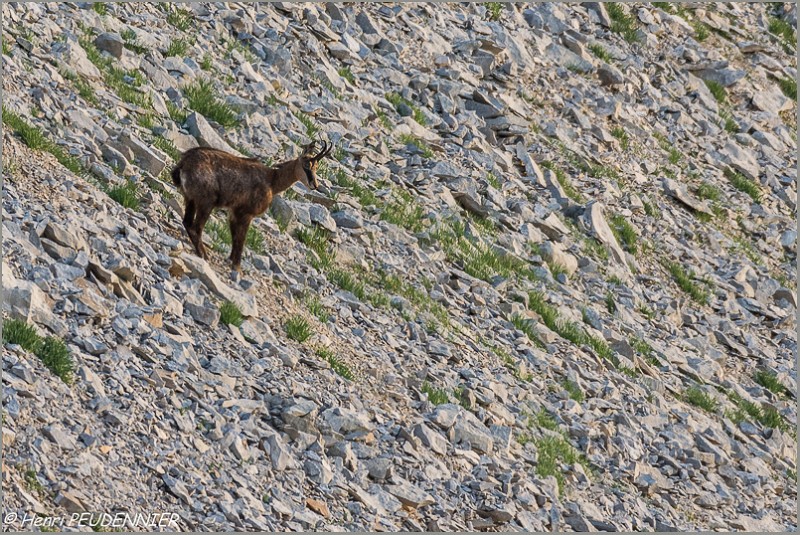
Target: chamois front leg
(239,227)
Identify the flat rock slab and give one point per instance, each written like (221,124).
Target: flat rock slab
(679,192)
(200,269)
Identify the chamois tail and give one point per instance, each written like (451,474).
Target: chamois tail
(176,175)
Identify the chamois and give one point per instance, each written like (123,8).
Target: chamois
(210,178)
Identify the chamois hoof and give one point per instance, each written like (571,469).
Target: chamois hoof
(235,275)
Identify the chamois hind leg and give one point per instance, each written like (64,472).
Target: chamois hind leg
(239,227)
(201,217)
(188,216)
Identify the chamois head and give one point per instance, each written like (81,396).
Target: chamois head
(306,168)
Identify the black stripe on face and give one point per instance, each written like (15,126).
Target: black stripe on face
(310,178)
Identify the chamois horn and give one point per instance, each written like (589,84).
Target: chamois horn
(326,149)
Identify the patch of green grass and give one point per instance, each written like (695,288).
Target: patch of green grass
(243,49)
(685,279)
(181,19)
(316,239)
(789,87)
(203,99)
(729,124)
(404,211)
(132,41)
(230,314)
(624,232)
(784,31)
(718,90)
(356,187)
(56,357)
(176,113)
(207,62)
(552,452)
(574,391)
(596,249)
(396,100)
(494,10)
(641,346)
(315,306)
(747,410)
(20,333)
(709,191)
(336,364)
(437,396)
(312,129)
(477,257)
(297,328)
(349,282)
(611,305)
(383,119)
(408,139)
(493,181)
(7,46)
(510,364)
(557,269)
(127,85)
(84,88)
(168,147)
(701,30)
(769,381)
(621,22)
(526,326)
(620,133)
(36,140)
(178,47)
(645,311)
(566,329)
(564,181)
(126,194)
(33,484)
(347,74)
(651,210)
(700,398)
(100,8)
(744,184)
(146,121)
(600,52)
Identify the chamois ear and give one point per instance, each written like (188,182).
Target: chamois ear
(309,149)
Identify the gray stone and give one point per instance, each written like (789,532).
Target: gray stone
(206,136)
(200,269)
(60,437)
(149,159)
(596,221)
(347,218)
(111,43)
(741,159)
(409,494)
(609,75)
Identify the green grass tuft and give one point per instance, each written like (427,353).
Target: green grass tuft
(620,133)
(785,32)
(178,47)
(316,239)
(20,333)
(404,211)
(396,100)
(408,139)
(526,326)
(494,10)
(204,100)
(348,282)
(437,396)
(718,90)
(54,354)
(336,364)
(552,452)
(84,88)
(127,195)
(709,191)
(574,391)
(622,23)
(699,398)
(230,314)
(100,8)
(744,184)
(566,183)
(132,41)
(347,74)
(769,381)
(685,279)
(600,52)
(180,18)
(624,232)
(297,328)
(168,147)
(35,139)
(789,87)
(315,306)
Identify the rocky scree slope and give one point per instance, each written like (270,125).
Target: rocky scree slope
(547,283)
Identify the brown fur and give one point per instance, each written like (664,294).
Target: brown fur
(211,178)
